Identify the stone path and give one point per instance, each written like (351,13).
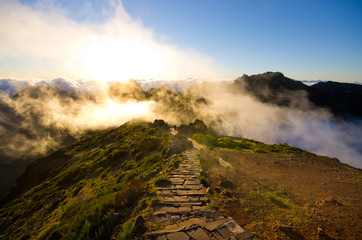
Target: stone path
(183,212)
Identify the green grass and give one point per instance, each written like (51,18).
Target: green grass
(127,231)
(202,179)
(161,180)
(86,182)
(279,200)
(213,206)
(242,144)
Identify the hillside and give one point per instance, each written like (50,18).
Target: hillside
(72,192)
(99,187)
(282,192)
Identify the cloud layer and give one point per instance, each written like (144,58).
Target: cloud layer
(41,41)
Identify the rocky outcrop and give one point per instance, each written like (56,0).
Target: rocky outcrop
(197,126)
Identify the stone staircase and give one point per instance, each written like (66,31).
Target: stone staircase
(183,211)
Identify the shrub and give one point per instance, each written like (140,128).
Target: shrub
(150,143)
(154,158)
(259,151)
(128,165)
(161,180)
(127,231)
(129,195)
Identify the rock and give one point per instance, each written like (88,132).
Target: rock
(197,126)
(284,226)
(140,226)
(113,221)
(198,233)
(160,123)
(178,236)
(328,202)
(234,227)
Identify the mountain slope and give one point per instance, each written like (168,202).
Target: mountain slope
(282,192)
(71,193)
(103,184)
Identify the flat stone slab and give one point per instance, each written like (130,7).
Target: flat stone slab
(225,232)
(162,237)
(177,180)
(211,226)
(178,236)
(198,233)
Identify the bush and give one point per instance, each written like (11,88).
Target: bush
(128,165)
(127,231)
(161,180)
(150,143)
(154,158)
(130,194)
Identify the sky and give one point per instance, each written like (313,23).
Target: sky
(162,39)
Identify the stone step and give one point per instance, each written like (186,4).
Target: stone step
(183,187)
(181,203)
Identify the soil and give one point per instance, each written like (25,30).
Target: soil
(324,194)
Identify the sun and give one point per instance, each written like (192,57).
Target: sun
(120,60)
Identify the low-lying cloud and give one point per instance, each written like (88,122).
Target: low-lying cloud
(43,117)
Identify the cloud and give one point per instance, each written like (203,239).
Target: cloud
(43,41)
(233,111)
(49,114)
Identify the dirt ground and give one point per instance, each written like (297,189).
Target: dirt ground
(318,197)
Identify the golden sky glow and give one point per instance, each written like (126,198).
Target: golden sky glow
(42,42)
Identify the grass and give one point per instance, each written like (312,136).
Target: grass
(127,231)
(160,180)
(241,144)
(213,206)
(256,202)
(202,179)
(86,182)
(279,200)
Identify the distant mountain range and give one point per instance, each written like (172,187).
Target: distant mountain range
(342,99)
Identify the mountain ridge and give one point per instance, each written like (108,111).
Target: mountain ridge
(100,185)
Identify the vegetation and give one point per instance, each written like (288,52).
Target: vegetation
(127,231)
(242,144)
(102,173)
(271,184)
(161,180)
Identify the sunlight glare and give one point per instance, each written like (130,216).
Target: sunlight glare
(115,113)
(120,59)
